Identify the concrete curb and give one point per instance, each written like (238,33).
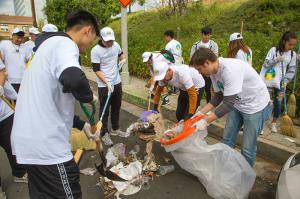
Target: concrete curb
(265,148)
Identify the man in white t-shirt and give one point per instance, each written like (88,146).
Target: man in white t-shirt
(188,80)
(44,114)
(173,46)
(244,95)
(15,55)
(33,33)
(6,123)
(206,42)
(106,58)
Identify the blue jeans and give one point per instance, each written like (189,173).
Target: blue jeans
(253,125)
(277,102)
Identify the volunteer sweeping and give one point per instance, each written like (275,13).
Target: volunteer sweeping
(187,80)
(6,123)
(237,48)
(271,71)
(244,95)
(44,113)
(206,42)
(15,55)
(106,56)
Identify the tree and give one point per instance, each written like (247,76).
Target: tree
(57,10)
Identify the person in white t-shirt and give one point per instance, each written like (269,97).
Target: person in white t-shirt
(206,42)
(33,33)
(15,55)
(188,80)
(284,55)
(44,114)
(6,123)
(106,58)
(173,46)
(244,95)
(238,50)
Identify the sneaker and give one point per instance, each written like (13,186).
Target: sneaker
(166,101)
(119,133)
(262,132)
(274,128)
(107,140)
(23,179)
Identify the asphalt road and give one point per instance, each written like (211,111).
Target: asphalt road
(176,185)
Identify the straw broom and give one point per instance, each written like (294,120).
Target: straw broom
(286,123)
(292,104)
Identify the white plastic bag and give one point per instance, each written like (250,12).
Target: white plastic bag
(223,171)
(271,76)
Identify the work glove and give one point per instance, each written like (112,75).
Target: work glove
(88,132)
(279,58)
(110,87)
(1,90)
(122,63)
(201,125)
(95,99)
(155,108)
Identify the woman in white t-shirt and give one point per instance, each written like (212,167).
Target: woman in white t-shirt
(238,50)
(282,54)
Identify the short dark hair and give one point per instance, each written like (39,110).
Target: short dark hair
(202,55)
(83,18)
(169,33)
(206,30)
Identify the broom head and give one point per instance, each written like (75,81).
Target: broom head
(287,126)
(291,106)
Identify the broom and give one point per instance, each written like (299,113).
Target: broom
(292,104)
(286,123)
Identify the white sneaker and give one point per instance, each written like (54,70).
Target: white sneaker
(23,179)
(262,132)
(119,133)
(274,128)
(107,140)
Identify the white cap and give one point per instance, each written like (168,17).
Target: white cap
(160,70)
(17,30)
(235,36)
(49,28)
(34,30)
(146,56)
(107,34)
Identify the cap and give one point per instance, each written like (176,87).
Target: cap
(160,70)
(49,28)
(146,56)
(107,34)
(34,30)
(235,36)
(18,31)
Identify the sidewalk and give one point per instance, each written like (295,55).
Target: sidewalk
(275,147)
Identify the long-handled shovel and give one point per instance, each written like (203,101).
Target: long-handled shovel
(102,169)
(11,105)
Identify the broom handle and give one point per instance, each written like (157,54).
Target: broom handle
(284,98)
(295,78)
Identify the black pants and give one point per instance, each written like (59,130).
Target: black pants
(183,103)
(59,181)
(18,170)
(207,88)
(114,104)
(16,87)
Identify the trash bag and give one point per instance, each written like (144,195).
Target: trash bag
(223,171)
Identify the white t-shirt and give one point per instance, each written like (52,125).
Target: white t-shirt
(241,55)
(288,60)
(108,59)
(176,49)
(30,44)
(184,77)
(44,114)
(238,77)
(14,61)
(204,45)
(5,110)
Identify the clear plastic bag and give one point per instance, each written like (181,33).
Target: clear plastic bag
(223,171)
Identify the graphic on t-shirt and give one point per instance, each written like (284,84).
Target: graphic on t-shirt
(248,57)
(220,86)
(270,74)
(178,47)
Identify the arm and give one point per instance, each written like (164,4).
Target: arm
(78,123)
(2,73)
(99,73)
(157,96)
(271,58)
(290,73)
(74,81)
(215,49)
(193,50)
(192,100)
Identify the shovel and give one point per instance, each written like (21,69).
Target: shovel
(10,104)
(101,168)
